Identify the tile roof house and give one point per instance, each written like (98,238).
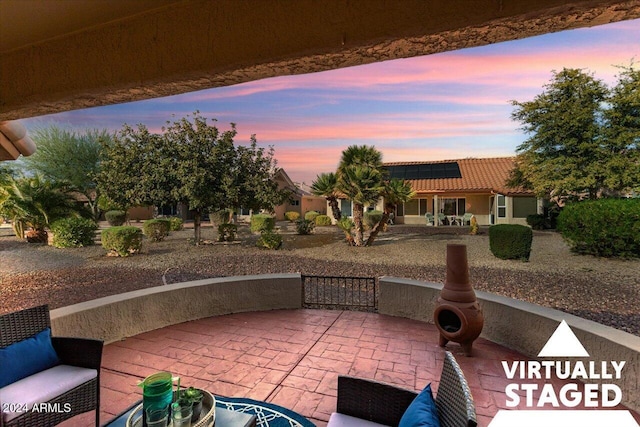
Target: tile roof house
(301,201)
(458,187)
(449,189)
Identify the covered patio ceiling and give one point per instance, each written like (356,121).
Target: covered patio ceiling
(73,54)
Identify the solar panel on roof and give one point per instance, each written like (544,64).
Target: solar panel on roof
(425,171)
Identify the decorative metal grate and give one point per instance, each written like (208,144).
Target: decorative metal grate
(340,293)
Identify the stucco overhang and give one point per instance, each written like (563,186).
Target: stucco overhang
(71,54)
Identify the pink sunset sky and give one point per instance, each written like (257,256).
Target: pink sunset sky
(446,106)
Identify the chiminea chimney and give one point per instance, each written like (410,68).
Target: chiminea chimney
(457,315)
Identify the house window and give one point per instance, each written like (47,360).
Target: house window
(462,204)
(453,206)
(411,207)
(423,206)
(170,210)
(244,212)
(415,207)
(345,207)
(524,206)
(400,209)
(295,203)
(502,206)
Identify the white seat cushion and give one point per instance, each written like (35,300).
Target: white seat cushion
(342,420)
(42,387)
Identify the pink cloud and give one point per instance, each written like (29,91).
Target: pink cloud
(383,127)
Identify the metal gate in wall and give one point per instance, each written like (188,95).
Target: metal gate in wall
(340,293)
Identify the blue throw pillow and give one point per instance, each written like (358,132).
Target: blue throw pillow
(27,357)
(422,412)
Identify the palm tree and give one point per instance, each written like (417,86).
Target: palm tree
(326,185)
(360,177)
(363,186)
(36,204)
(395,192)
(361,155)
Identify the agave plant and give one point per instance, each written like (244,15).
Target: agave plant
(35,203)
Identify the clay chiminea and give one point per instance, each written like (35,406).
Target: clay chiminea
(457,314)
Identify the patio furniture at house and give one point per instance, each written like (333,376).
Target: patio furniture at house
(366,403)
(60,375)
(466,219)
(441,218)
(429,218)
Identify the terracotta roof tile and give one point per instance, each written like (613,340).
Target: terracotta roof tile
(478,176)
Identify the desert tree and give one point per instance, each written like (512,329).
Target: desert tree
(69,158)
(582,137)
(190,162)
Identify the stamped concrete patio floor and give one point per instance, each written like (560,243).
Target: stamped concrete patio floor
(293,358)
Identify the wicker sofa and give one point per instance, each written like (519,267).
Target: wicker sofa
(364,402)
(71,387)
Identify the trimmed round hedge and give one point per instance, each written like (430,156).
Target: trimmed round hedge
(176,224)
(510,241)
(115,218)
(73,232)
(291,216)
(122,240)
(311,215)
(604,228)
(322,220)
(156,229)
(270,240)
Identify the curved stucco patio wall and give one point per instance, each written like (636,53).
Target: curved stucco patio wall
(518,325)
(119,316)
(522,326)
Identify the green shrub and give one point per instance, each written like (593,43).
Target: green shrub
(270,240)
(604,228)
(510,241)
(115,218)
(175,223)
(371,218)
(536,221)
(227,232)
(262,222)
(122,240)
(156,229)
(304,226)
(291,216)
(311,215)
(73,232)
(322,220)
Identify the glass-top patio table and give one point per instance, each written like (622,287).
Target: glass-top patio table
(224,418)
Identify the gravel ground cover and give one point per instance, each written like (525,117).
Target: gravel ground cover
(603,290)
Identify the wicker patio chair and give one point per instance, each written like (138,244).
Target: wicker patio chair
(80,352)
(385,404)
